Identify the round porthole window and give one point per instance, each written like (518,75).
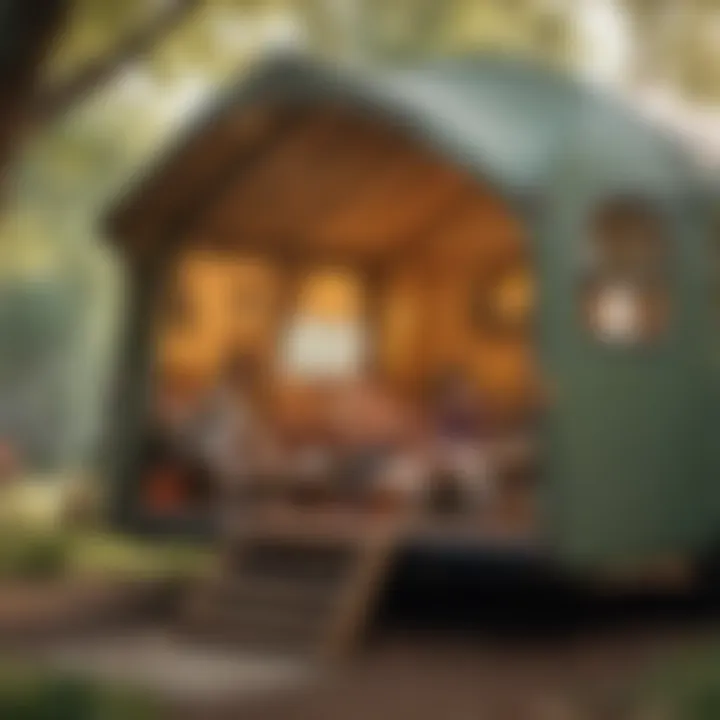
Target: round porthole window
(626,288)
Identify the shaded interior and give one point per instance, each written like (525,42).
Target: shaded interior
(339,218)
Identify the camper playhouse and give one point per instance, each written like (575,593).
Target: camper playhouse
(479,214)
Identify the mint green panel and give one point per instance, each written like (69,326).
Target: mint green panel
(625,467)
(708,218)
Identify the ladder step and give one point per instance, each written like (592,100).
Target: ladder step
(294,590)
(261,614)
(292,562)
(256,629)
(275,592)
(261,644)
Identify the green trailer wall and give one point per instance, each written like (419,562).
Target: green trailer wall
(627,472)
(629,460)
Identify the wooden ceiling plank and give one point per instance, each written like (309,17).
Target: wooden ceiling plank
(400,171)
(338,186)
(335,183)
(281,182)
(351,164)
(236,134)
(277,250)
(452,213)
(403,205)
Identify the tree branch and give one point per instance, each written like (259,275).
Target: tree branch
(27,31)
(51,104)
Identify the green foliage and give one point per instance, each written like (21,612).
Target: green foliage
(37,328)
(687,688)
(223,34)
(94,28)
(96,553)
(27,554)
(35,320)
(393,30)
(678,42)
(32,556)
(26,695)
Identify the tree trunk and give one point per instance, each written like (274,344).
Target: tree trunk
(53,103)
(27,29)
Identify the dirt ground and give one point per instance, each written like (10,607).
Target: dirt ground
(593,677)
(562,661)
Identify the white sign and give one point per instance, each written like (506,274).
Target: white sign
(618,314)
(321,348)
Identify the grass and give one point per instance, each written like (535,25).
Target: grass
(105,553)
(35,539)
(34,694)
(686,688)
(32,554)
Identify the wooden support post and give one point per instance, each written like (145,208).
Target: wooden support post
(375,291)
(291,272)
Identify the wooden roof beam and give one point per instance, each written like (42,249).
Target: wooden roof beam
(339,187)
(180,219)
(190,221)
(282,251)
(419,239)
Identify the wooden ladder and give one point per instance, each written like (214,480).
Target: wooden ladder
(296,583)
